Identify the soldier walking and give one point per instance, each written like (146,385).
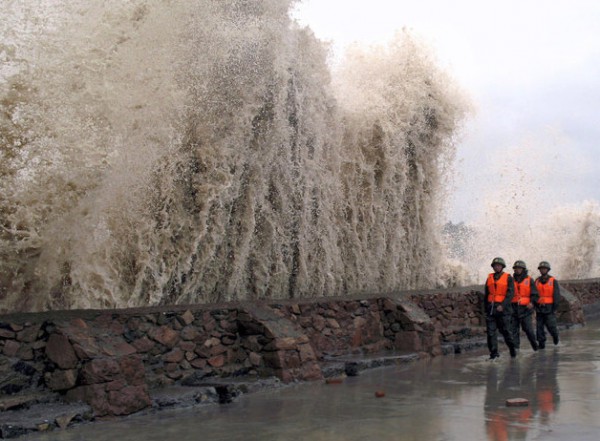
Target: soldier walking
(499,291)
(526,295)
(549,297)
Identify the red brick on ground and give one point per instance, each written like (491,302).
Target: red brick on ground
(517,402)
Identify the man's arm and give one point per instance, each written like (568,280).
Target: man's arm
(555,296)
(486,292)
(510,292)
(535,295)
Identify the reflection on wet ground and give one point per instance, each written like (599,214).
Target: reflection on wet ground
(458,397)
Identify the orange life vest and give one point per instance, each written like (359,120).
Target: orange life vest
(497,288)
(522,291)
(546,291)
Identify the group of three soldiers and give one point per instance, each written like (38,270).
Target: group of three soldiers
(510,302)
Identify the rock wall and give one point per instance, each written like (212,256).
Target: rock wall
(587,291)
(111,359)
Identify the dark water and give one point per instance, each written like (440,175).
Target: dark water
(448,398)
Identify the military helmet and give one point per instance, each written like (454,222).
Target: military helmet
(544,264)
(499,260)
(520,264)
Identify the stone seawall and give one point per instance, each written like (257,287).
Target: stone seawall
(112,359)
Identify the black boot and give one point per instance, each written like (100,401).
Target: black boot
(555,339)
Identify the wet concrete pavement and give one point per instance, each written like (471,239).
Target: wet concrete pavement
(460,397)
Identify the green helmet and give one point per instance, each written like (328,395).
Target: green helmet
(544,264)
(499,260)
(520,264)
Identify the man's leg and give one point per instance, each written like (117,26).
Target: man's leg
(515,328)
(492,336)
(527,325)
(504,326)
(541,334)
(552,326)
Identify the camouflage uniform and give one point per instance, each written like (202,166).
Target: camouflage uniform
(499,320)
(522,316)
(545,314)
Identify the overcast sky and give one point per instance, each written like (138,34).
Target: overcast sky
(532,69)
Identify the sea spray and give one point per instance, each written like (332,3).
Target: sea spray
(520,217)
(158,152)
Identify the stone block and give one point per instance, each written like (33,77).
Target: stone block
(209,324)
(171,367)
(132,369)
(165,336)
(78,323)
(250,327)
(100,370)
(63,421)
(285,375)
(40,344)
(11,348)
(25,352)
(213,341)
(305,322)
(143,344)
(128,400)
(134,323)
(162,319)
(217,361)
(283,343)
(187,346)
(292,360)
(116,385)
(318,322)
(189,333)
(15,327)
(388,305)
(228,325)
(255,359)
(7,333)
(237,355)
(274,359)
(187,317)
(175,375)
(202,351)
(408,341)
(95,395)
(60,351)
(61,379)
(152,318)
(333,323)
(217,350)
(175,356)
(395,327)
(306,353)
(228,339)
(29,334)
(117,347)
(198,363)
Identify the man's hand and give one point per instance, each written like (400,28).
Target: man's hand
(530,306)
(499,308)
